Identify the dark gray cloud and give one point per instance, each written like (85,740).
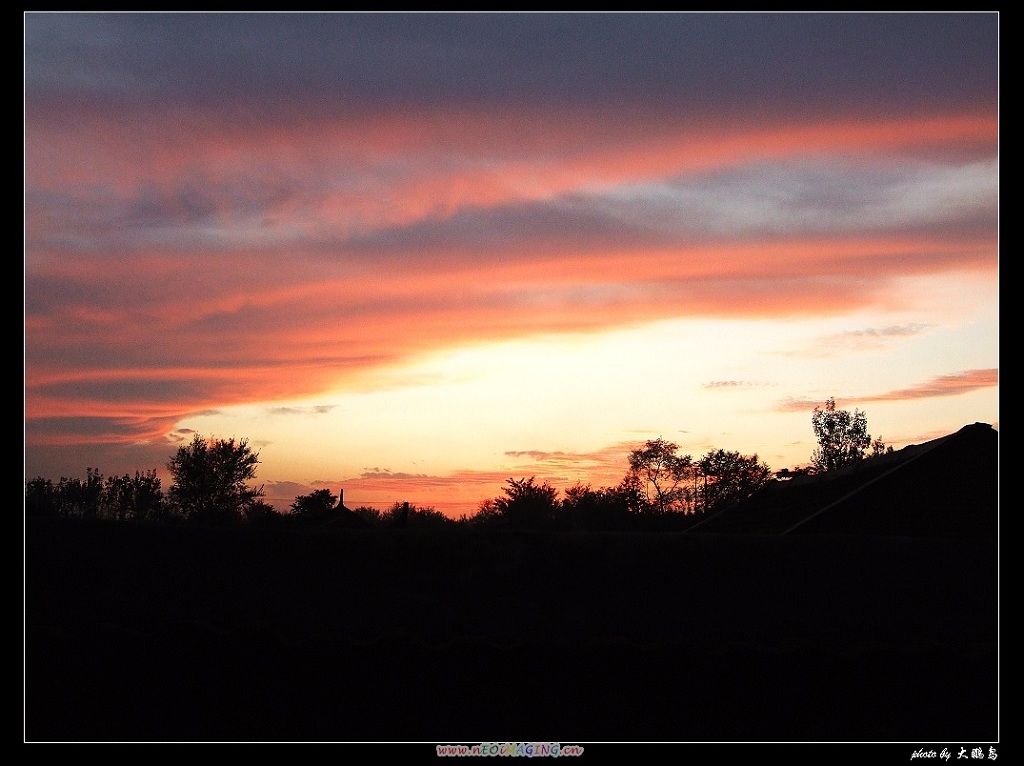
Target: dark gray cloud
(516,227)
(164,389)
(86,426)
(66,446)
(833,195)
(758,202)
(280,490)
(752,63)
(183,215)
(71,460)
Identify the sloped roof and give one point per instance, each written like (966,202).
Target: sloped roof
(948,487)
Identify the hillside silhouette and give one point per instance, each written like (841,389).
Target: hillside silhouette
(874,620)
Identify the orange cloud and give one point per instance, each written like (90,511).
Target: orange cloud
(944,385)
(389,167)
(177,263)
(279,332)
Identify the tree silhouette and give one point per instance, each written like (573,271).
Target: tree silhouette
(843,437)
(728,477)
(210,479)
(261,513)
(587,508)
(371,517)
(879,448)
(410,515)
(315,507)
(41,498)
(527,504)
(134,498)
(658,471)
(486,515)
(118,498)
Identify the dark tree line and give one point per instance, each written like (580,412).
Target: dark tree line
(660,482)
(322,507)
(122,498)
(212,485)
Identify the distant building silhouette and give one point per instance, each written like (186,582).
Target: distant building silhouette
(344,516)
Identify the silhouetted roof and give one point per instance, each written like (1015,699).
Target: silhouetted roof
(948,487)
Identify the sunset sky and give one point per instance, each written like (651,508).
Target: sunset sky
(414,255)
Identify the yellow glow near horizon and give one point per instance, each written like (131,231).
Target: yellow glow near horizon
(703,383)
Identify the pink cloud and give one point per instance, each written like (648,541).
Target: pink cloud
(276,260)
(943,385)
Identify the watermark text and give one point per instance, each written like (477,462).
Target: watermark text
(511,750)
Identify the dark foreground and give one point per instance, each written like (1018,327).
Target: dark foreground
(145,633)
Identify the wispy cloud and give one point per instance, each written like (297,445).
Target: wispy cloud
(385,473)
(943,385)
(726,385)
(797,404)
(282,493)
(866,338)
(316,409)
(606,465)
(872,336)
